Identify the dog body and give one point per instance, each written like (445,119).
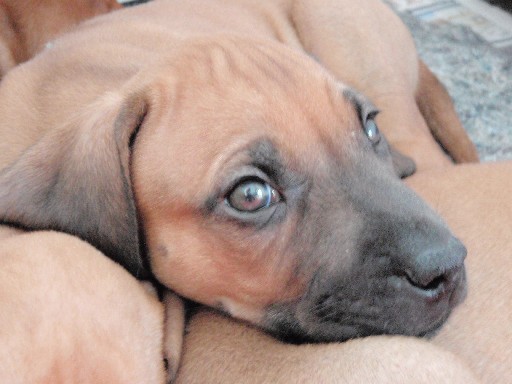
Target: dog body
(236,168)
(369,50)
(27,25)
(481,214)
(70,315)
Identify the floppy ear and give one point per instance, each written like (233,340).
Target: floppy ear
(76,180)
(403,165)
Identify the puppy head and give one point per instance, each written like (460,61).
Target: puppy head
(260,186)
(272,196)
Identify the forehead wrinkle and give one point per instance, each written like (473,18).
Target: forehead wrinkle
(340,121)
(266,156)
(226,60)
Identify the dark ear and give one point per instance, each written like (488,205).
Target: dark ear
(438,110)
(404,166)
(76,180)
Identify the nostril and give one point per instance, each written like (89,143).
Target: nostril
(435,270)
(434,284)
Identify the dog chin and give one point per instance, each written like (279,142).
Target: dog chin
(295,323)
(289,330)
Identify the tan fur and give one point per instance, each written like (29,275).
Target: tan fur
(174,327)
(27,25)
(475,201)
(134,66)
(438,110)
(367,46)
(70,315)
(218,350)
(363,44)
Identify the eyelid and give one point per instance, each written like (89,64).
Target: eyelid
(259,178)
(372,114)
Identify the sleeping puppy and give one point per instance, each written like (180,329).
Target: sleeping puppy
(187,142)
(27,25)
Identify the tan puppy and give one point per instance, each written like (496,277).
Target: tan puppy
(475,200)
(27,25)
(70,315)
(241,172)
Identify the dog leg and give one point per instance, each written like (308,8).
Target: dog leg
(174,327)
(375,53)
(437,108)
(225,351)
(70,315)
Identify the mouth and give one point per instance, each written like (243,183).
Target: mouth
(336,318)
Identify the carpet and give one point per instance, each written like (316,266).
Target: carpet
(477,76)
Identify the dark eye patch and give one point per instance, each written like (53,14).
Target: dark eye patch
(257,189)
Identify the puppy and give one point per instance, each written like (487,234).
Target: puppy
(27,25)
(71,315)
(234,168)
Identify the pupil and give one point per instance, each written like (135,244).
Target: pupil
(372,131)
(251,196)
(253,193)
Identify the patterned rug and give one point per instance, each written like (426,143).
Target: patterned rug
(478,77)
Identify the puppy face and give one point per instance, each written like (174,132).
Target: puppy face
(264,189)
(260,186)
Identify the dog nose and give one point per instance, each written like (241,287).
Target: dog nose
(437,269)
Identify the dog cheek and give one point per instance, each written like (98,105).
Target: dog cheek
(206,268)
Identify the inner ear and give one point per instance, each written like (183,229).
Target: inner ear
(76,180)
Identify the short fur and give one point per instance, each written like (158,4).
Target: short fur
(132,130)
(27,25)
(70,315)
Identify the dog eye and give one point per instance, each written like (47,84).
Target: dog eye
(252,195)
(372,131)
